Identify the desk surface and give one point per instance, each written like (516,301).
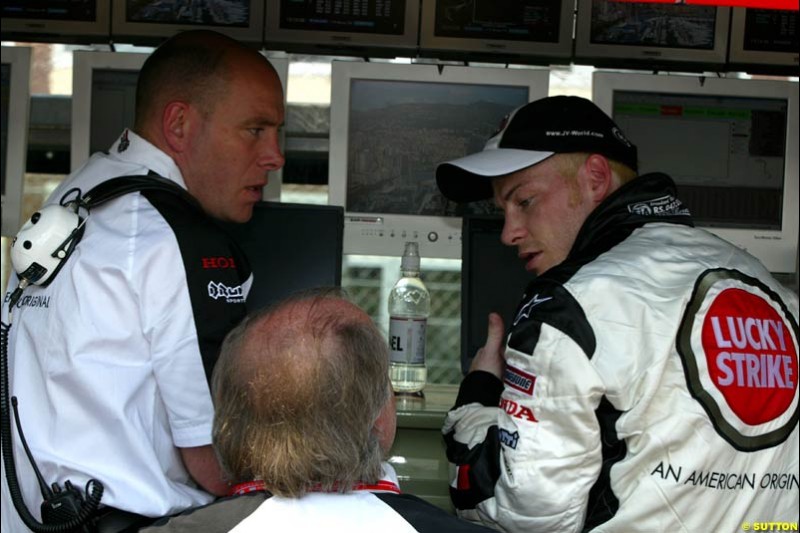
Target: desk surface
(418,453)
(427,412)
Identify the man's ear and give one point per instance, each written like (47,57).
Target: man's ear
(176,125)
(385,426)
(599,176)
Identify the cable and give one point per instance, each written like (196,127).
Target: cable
(64,509)
(43,488)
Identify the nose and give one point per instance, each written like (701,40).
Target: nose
(513,231)
(271,157)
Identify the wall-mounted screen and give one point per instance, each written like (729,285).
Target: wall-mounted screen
(493,279)
(152,21)
(15,99)
(729,144)
(357,27)
(391,125)
(518,31)
(291,247)
(651,35)
(104,98)
(764,41)
(63,21)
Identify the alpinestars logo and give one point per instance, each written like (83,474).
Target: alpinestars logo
(525,311)
(232,295)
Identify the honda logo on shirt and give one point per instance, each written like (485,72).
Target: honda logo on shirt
(218,262)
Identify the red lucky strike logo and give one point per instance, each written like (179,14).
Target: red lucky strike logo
(751,357)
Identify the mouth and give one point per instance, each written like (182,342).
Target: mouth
(255,191)
(529,258)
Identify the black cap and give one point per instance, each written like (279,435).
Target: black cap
(530,134)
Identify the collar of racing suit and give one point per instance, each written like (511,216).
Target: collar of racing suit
(646,199)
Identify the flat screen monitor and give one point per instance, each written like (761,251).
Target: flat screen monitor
(493,279)
(149,22)
(391,125)
(62,21)
(358,27)
(15,96)
(729,144)
(516,31)
(651,35)
(291,247)
(764,41)
(103,103)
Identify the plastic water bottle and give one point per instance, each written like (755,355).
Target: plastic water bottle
(409,307)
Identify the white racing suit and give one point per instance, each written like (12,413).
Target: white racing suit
(651,385)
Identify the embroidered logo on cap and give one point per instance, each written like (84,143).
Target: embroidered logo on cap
(502,126)
(620,136)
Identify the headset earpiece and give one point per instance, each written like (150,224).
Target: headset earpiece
(45,242)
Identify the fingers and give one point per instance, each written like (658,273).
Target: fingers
(491,358)
(495,336)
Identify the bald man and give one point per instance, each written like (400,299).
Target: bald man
(305,415)
(111,360)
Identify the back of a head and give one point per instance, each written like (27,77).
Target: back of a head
(297,390)
(189,66)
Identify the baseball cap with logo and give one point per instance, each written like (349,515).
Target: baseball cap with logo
(530,134)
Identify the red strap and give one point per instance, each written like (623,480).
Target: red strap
(259,486)
(248,487)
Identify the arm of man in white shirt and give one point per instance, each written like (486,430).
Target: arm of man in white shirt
(203,466)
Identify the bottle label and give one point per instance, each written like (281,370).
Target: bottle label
(407,340)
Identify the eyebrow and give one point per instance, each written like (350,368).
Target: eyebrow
(261,122)
(507,196)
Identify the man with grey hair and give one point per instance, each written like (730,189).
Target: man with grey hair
(305,415)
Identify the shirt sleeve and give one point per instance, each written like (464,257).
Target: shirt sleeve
(171,331)
(193,281)
(525,457)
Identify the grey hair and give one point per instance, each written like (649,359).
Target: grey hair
(296,398)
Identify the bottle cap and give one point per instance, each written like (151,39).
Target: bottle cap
(410,260)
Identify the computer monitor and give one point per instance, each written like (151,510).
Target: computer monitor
(65,21)
(103,103)
(729,144)
(652,36)
(377,29)
(15,96)
(391,125)
(764,41)
(148,22)
(493,279)
(291,247)
(515,31)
